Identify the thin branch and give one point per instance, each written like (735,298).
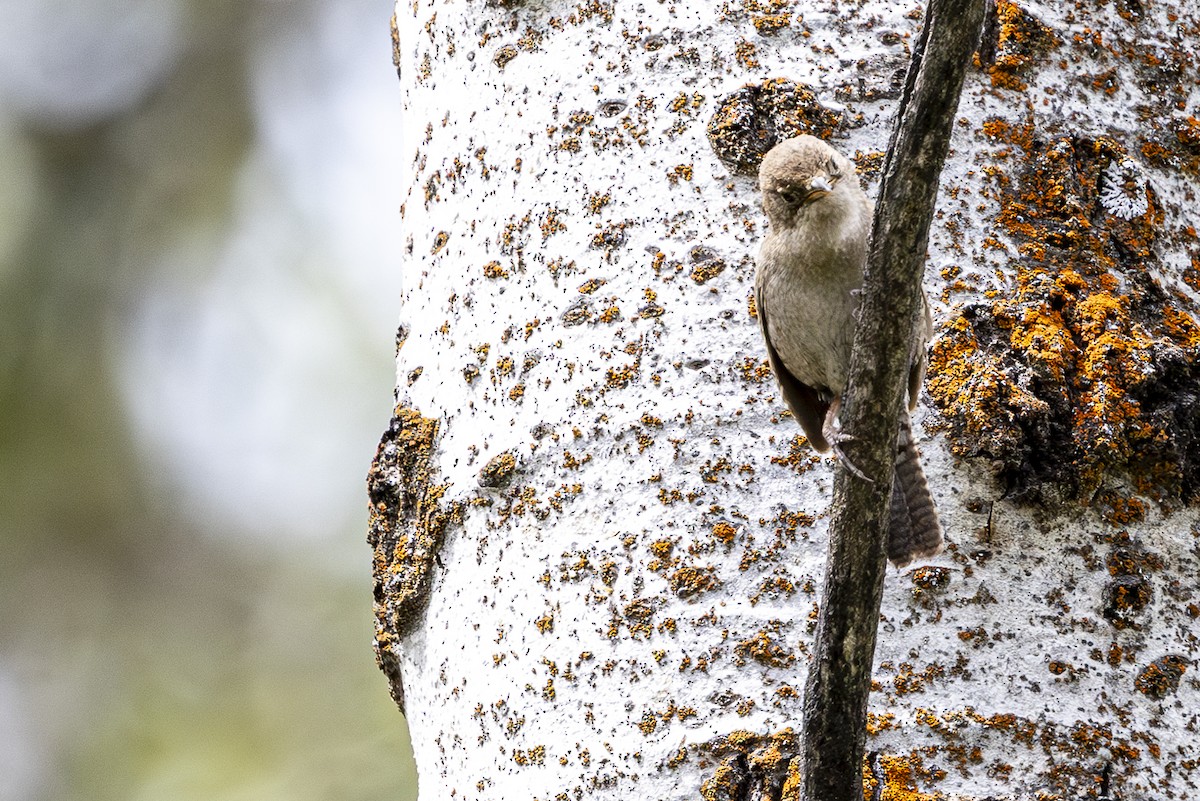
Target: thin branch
(839,681)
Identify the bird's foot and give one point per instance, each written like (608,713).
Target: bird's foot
(836,443)
(832,432)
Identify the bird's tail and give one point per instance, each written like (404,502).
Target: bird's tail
(914,530)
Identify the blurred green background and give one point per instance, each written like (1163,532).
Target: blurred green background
(199,286)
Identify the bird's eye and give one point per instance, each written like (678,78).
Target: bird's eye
(790,194)
(833,169)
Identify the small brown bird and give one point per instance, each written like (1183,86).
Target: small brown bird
(806,289)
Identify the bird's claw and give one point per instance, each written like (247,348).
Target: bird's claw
(834,436)
(841,455)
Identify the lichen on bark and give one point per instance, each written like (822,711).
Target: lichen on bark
(406,528)
(1083,371)
(756,117)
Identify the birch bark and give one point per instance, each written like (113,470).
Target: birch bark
(598,539)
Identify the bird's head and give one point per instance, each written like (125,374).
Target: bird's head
(797,178)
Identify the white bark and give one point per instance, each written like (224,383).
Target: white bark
(643,583)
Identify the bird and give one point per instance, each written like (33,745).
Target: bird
(808,279)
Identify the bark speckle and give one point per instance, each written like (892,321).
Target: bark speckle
(752,120)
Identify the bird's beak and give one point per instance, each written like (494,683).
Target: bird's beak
(818,188)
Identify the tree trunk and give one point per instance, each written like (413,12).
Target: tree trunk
(599,539)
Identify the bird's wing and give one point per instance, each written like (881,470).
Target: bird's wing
(916,376)
(916,372)
(805,402)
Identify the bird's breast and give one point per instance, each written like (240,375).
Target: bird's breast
(812,294)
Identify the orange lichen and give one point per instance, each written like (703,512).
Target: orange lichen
(620,377)
(1014,37)
(869,165)
(764,649)
(909,680)
(1125,598)
(753,765)
(1076,373)
(680,172)
(724,532)
(1120,509)
(499,470)
(800,456)
(1188,132)
(889,777)
(688,581)
(551,224)
(705,270)
(768,24)
(504,55)
(930,578)
(754,371)
(746,54)
(493,269)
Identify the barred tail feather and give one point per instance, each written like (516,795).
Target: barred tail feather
(914,531)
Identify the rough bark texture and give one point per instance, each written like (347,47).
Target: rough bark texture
(839,679)
(598,537)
